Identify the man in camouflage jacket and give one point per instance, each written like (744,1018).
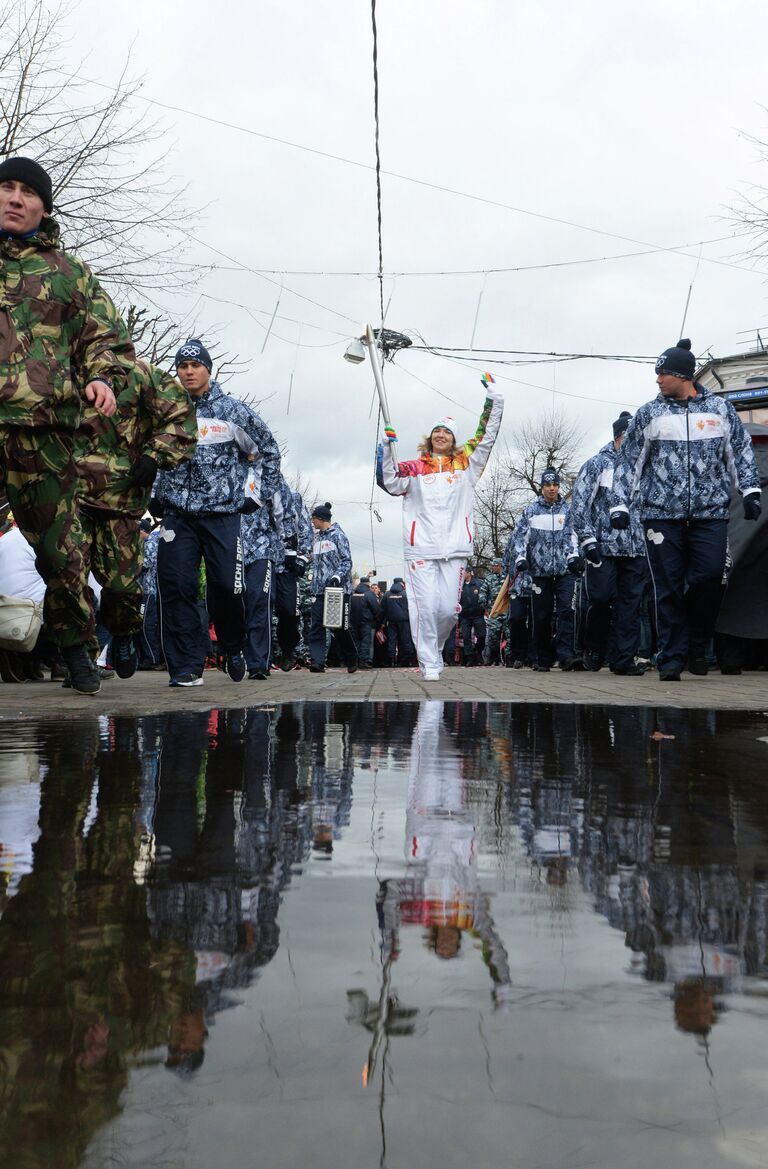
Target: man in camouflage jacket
(59,335)
(117,460)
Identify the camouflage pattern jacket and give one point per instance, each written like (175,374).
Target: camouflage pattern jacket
(155,417)
(520,583)
(545,538)
(228,432)
(678,459)
(490,585)
(592,496)
(148,574)
(58,331)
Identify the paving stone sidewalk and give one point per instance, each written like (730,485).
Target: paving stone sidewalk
(148,693)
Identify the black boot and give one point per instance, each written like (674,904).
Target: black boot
(83,672)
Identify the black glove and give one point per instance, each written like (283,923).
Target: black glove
(619,521)
(522,565)
(334,582)
(752,507)
(155,508)
(144,471)
(592,553)
(576,566)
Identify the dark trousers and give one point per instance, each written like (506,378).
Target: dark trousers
(150,651)
(687,562)
(614,587)
(286,600)
(552,596)
(519,621)
(470,625)
(318,640)
(363,632)
(214,539)
(258,614)
(399,642)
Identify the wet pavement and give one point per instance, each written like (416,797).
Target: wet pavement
(359,934)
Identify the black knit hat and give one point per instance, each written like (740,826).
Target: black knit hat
(26,170)
(322,512)
(549,476)
(194,350)
(621,423)
(679,361)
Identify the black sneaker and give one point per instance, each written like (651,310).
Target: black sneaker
(669,675)
(186,680)
(591,659)
(236,667)
(633,671)
(83,672)
(353,666)
(287,663)
(123,655)
(257,675)
(698,665)
(316,668)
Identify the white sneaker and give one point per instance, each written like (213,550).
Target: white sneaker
(432,676)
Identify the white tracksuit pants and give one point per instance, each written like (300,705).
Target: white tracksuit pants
(434,588)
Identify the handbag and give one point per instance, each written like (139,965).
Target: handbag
(20,623)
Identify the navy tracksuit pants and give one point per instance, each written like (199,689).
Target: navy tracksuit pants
(185,541)
(519,621)
(259,576)
(318,635)
(614,587)
(286,595)
(687,563)
(468,626)
(552,595)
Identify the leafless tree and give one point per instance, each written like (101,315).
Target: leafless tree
(513,478)
(114,199)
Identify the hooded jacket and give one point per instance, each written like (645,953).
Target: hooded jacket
(678,459)
(438,493)
(590,508)
(331,557)
(228,432)
(154,417)
(545,538)
(58,331)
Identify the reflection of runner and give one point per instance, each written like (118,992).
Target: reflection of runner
(440,889)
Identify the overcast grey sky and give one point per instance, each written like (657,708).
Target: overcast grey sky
(629,119)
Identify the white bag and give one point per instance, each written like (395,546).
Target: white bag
(20,623)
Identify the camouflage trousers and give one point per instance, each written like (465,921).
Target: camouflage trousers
(113,552)
(40,480)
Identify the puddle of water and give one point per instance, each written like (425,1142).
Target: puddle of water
(363,935)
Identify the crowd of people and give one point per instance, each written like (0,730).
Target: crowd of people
(95,441)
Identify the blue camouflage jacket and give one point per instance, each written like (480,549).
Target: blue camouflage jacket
(678,459)
(544,537)
(214,480)
(148,572)
(262,532)
(331,556)
(519,582)
(590,508)
(297,529)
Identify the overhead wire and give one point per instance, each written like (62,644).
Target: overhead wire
(562,221)
(375,38)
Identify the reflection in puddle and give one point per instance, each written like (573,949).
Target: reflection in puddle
(381,933)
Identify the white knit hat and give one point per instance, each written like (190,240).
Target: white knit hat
(448,422)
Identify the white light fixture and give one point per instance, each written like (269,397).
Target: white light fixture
(355,352)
